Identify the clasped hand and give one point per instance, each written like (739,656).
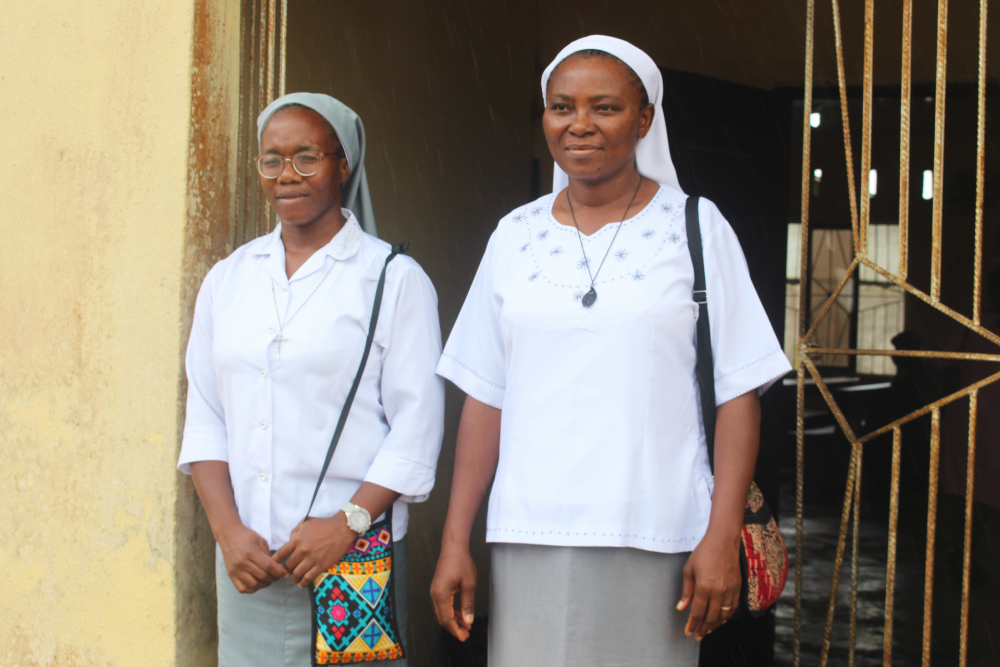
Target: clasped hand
(315,545)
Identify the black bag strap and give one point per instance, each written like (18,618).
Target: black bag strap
(704,365)
(396,250)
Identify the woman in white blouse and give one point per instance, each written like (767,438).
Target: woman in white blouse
(576,349)
(278,334)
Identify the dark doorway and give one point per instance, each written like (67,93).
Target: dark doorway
(730,144)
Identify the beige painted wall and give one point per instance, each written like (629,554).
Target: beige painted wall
(97,96)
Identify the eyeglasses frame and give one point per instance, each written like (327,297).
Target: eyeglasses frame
(292,160)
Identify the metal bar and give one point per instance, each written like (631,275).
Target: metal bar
(932,485)
(249,192)
(958,317)
(941,82)
(980,166)
(970,482)
(866,131)
(829,302)
(832,404)
(800,392)
(962,393)
(927,354)
(241,148)
(259,210)
(904,139)
(283,49)
(270,92)
(890,570)
(838,560)
(270,51)
(855,560)
(849,154)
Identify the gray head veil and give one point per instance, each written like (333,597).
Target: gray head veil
(351,132)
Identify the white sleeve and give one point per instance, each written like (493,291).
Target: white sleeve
(474,357)
(412,395)
(205,437)
(745,349)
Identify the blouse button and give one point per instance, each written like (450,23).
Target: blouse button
(263,426)
(263,374)
(263,477)
(271,329)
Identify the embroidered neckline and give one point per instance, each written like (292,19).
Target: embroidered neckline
(609,226)
(658,226)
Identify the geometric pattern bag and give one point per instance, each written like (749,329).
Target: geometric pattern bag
(354,602)
(763,556)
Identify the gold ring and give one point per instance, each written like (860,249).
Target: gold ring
(726,608)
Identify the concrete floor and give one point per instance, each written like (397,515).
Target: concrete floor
(821,528)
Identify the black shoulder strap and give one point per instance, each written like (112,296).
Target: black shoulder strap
(705,365)
(396,250)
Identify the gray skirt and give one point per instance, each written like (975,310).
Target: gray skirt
(273,627)
(587,607)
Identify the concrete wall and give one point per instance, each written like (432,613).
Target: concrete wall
(95,270)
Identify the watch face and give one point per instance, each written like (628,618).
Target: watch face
(356,522)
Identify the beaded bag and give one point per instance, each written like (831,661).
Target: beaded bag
(353,602)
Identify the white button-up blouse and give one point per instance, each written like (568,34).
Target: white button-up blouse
(272,419)
(601,440)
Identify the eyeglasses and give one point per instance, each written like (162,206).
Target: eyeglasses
(304,164)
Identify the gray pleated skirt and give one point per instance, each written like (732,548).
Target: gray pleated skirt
(587,607)
(273,627)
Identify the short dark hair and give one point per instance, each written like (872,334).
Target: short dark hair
(588,54)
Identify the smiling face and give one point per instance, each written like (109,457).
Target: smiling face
(302,200)
(594,117)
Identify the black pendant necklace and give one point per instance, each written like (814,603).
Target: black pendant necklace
(590,297)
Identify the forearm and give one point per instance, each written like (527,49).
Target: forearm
(477,452)
(737,438)
(215,489)
(374,498)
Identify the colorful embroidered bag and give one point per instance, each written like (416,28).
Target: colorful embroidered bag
(763,556)
(353,603)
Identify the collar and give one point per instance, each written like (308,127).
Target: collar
(343,245)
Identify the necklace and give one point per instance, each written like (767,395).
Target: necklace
(590,297)
(281,325)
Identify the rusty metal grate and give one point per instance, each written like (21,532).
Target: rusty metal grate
(263,36)
(805,351)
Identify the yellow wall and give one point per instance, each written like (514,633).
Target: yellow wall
(96,99)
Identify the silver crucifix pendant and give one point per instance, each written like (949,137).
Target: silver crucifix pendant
(278,339)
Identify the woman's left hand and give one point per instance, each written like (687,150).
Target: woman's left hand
(711,584)
(314,547)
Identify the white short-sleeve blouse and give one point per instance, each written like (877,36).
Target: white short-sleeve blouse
(602,442)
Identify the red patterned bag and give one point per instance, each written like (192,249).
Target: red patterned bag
(763,556)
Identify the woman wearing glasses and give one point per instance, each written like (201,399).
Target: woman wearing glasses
(278,334)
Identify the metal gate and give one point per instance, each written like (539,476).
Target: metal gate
(807,351)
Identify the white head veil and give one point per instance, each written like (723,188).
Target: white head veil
(351,132)
(652,152)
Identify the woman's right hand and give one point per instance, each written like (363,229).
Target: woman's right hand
(455,574)
(248,559)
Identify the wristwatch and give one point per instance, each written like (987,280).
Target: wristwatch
(358,518)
